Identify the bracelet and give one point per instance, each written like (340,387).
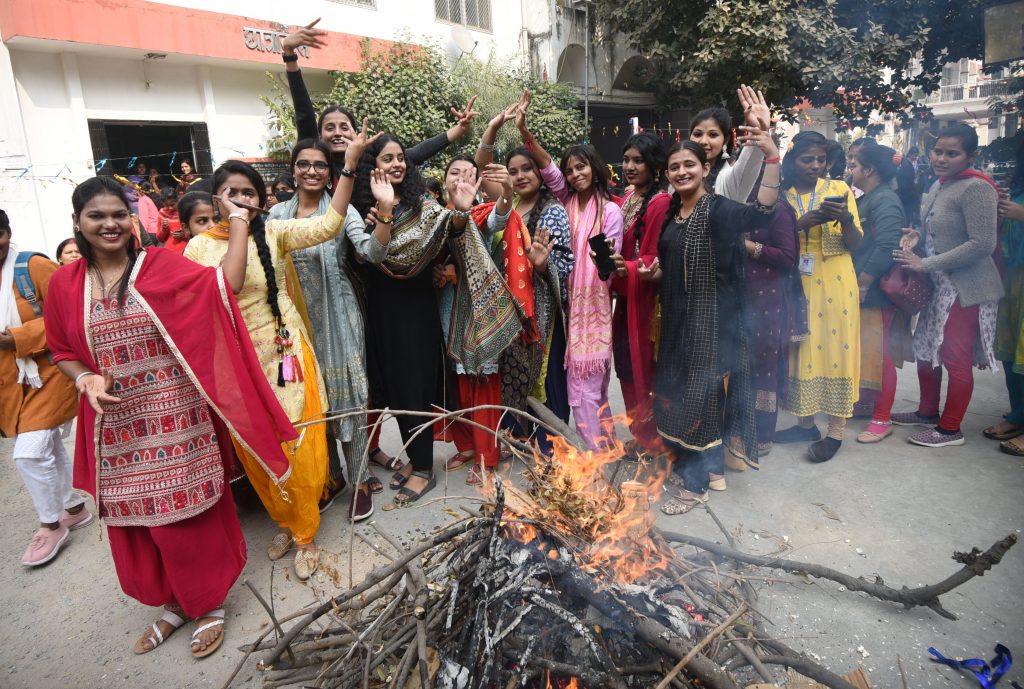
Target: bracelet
(769,186)
(386,219)
(240,216)
(460,214)
(774,160)
(83,374)
(294,57)
(345,172)
(485,147)
(847,219)
(758,248)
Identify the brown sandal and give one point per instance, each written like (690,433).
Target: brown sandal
(1013,447)
(458,460)
(683,503)
(1008,432)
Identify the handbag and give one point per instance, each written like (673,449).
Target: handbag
(909,291)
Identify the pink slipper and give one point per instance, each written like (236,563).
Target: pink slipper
(875,432)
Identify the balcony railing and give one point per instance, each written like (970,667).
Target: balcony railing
(956,92)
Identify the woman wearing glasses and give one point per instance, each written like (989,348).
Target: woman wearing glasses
(335,321)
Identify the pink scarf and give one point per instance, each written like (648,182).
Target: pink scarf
(589,346)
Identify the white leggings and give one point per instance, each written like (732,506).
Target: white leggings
(46,470)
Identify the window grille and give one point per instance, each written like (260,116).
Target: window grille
(475,13)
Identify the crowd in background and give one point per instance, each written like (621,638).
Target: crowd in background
(235,326)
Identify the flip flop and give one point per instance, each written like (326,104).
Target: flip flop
(679,505)
(458,460)
(217,641)
(406,496)
(1014,432)
(1011,448)
(173,619)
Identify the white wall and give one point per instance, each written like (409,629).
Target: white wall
(391,20)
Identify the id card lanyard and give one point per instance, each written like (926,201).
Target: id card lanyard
(806,265)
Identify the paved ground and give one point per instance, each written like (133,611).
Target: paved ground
(901,510)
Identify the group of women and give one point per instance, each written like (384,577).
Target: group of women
(742,284)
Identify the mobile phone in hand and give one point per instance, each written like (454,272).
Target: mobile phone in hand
(602,255)
(835,199)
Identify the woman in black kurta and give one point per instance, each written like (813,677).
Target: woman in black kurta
(703,330)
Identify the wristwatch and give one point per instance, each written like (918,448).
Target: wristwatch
(294,57)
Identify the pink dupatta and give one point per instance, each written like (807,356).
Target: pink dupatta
(589,345)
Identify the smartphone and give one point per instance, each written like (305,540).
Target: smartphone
(603,255)
(836,199)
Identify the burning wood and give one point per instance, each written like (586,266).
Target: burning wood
(563,585)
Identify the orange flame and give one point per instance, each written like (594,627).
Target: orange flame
(572,494)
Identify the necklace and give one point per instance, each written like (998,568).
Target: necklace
(106,285)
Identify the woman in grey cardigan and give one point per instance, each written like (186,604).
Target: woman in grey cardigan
(957,329)
(881,215)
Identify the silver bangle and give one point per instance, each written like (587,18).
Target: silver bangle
(83,374)
(460,214)
(244,217)
(485,147)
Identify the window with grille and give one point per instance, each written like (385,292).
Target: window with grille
(476,13)
(369,4)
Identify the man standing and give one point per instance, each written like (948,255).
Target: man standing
(35,399)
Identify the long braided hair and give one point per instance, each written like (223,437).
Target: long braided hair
(83,194)
(257,227)
(652,149)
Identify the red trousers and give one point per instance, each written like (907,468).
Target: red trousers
(474,391)
(887,395)
(957,356)
(192,563)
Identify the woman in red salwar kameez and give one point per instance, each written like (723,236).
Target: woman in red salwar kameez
(643,211)
(151,341)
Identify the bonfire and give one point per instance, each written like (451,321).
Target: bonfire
(561,584)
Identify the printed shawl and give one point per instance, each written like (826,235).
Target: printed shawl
(486,317)
(589,346)
(518,269)
(196,313)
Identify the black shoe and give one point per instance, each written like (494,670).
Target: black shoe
(824,450)
(333,493)
(797,434)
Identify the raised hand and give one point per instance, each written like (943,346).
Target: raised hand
(755,109)
(539,250)
(465,118)
(753,136)
(498,174)
(521,108)
(502,117)
(465,194)
(358,145)
(306,35)
(383,192)
(226,207)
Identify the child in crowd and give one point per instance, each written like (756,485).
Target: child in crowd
(169,230)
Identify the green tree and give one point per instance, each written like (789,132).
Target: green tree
(852,55)
(409,90)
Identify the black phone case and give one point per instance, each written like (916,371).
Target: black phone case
(603,258)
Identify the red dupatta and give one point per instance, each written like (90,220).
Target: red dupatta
(196,312)
(518,268)
(640,294)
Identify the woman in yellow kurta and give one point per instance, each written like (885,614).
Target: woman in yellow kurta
(283,346)
(824,369)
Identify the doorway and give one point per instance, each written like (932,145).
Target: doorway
(160,144)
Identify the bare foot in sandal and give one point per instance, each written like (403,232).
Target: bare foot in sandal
(382,459)
(209,633)
(161,630)
(1004,430)
(682,502)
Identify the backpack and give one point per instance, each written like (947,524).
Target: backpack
(23,280)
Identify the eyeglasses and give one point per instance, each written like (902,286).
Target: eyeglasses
(318,165)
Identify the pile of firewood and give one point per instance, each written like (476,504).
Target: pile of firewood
(512,597)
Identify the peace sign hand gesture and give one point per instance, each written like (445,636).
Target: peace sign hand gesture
(358,145)
(465,119)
